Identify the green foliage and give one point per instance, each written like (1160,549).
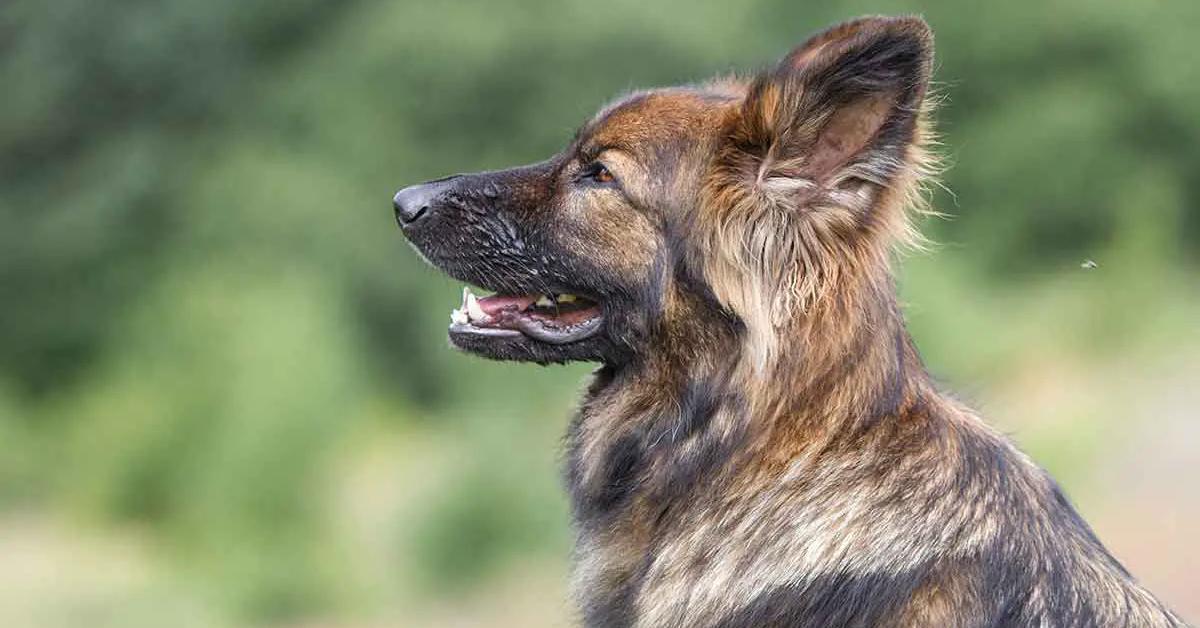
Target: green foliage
(203,292)
(488,517)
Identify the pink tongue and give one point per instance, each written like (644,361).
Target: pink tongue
(495,304)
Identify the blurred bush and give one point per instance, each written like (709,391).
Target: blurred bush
(206,305)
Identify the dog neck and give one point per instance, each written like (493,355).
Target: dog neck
(844,366)
(697,405)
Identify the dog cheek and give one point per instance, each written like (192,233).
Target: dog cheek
(625,241)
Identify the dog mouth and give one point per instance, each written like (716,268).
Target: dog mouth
(554,319)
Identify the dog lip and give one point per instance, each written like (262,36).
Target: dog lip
(575,333)
(530,328)
(494,332)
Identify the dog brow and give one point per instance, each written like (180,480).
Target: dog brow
(581,144)
(579,139)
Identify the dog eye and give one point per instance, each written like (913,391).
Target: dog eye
(598,172)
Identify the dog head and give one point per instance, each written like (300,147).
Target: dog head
(675,214)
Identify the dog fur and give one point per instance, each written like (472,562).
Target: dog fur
(761,445)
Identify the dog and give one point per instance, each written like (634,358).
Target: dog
(761,444)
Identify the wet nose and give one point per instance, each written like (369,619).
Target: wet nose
(414,202)
(418,202)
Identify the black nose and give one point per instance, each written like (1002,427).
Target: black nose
(414,202)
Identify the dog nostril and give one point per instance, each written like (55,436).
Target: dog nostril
(415,216)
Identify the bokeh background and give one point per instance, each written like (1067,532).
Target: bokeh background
(226,398)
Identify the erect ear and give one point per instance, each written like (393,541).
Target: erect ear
(842,107)
(835,127)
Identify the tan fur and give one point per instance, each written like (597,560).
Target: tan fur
(763,445)
(799,247)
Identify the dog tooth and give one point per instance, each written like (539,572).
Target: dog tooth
(473,310)
(544,301)
(459,318)
(566,298)
(466,293)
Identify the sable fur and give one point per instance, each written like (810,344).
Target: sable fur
(762,445)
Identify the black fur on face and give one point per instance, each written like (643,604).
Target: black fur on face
(504,231)
(606,219)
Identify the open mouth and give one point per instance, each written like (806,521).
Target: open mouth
(555,319)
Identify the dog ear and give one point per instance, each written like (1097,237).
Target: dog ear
(841,108)
(825,147)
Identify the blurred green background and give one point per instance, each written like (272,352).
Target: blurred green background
(226,398)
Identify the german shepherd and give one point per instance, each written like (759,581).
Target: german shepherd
(761,445)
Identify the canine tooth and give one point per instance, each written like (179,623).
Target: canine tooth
(466,293)
(544,301)
(473,310)
(566,298)
(459,317)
